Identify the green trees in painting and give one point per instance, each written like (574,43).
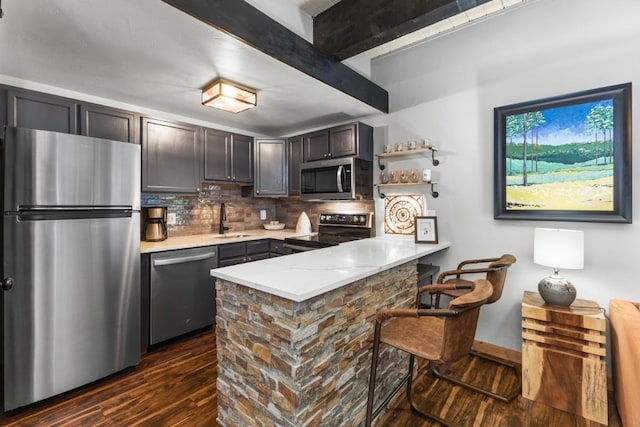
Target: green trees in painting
(518,126)
(600,119)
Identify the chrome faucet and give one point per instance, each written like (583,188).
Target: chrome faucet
(223,218)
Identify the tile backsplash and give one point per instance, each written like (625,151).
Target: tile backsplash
(199,213)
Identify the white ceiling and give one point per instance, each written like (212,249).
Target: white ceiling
(148,54)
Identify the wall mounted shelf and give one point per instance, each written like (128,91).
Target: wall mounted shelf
(406,153)
(434,193)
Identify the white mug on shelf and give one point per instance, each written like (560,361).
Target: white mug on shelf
(426,175)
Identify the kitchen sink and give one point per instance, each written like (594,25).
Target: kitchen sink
(231,236)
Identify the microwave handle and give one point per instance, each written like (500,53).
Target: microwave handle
(339,178)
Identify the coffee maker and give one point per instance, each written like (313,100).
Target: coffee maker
(154,223)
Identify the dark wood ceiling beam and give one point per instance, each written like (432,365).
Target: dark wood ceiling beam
(354,26)
(248,24)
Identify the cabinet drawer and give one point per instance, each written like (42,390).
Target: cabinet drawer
(258,246)
(231,250)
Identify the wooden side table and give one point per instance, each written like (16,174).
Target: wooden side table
(564,356)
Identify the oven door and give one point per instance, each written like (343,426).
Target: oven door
(327,180)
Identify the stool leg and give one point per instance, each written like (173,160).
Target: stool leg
(372,377)
(412,403)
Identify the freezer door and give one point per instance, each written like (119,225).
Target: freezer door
(73,313)
(48,169)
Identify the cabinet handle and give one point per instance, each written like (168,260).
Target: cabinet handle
(229,177)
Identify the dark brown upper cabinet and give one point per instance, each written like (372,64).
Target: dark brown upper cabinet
(228,157)
(171,156)
(352,139)
(295,158)
(108,123)
(271,167)
(35,110)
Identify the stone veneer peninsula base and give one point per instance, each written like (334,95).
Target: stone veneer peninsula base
(287,363)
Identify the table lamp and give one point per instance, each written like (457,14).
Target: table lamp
(557,248)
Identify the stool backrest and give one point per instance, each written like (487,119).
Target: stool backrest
(498,277)
(460,330)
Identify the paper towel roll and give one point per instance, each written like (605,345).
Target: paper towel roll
(304,224)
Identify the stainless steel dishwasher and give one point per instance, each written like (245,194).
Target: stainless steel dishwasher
(182,293)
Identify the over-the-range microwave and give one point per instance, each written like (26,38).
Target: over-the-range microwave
(347,178)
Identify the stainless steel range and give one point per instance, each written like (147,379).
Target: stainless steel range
(333,229)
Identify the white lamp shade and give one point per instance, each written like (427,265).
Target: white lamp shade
(558,248)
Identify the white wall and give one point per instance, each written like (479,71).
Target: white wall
(446,89)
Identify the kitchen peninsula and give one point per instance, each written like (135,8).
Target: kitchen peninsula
(294,333)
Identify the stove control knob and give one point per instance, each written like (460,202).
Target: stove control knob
(363,219)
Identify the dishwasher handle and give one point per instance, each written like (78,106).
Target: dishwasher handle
(182,259)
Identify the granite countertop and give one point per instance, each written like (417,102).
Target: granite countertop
(183,242)
(301,276)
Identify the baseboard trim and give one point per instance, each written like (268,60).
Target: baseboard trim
(498,352)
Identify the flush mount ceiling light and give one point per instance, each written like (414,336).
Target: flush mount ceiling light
(229,96)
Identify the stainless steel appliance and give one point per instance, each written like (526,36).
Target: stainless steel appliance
(347,178)
(333,229)
(70,260)
(154,223)
(182,295)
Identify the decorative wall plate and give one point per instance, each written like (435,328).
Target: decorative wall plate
(400,212)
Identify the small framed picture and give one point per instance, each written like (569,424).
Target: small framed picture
(426,229)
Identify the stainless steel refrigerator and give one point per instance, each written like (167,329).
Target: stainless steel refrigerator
(71,262)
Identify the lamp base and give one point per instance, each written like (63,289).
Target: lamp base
(557,290)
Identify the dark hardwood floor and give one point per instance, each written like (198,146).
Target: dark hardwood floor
(176,386)
(172,386)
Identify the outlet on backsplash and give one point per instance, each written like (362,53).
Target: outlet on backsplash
(171,219)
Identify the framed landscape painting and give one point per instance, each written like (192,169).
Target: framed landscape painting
(566,158)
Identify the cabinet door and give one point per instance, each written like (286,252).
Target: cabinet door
(171,157)
(316,145)
(217,150)
(295,158)
(108,123)
(342,141)
(34,110)
(241,159)
(271,168)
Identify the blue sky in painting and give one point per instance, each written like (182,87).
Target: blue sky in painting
(565,124)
